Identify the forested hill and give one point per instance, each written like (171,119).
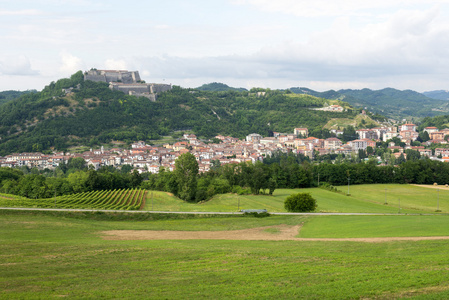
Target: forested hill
(7,96)
(440,94)
(94,114)
(389,102)
(219,87)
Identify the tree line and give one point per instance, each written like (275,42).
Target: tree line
(283,171)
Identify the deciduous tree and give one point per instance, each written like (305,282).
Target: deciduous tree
(186,172)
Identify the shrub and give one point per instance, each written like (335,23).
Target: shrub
(236,189)
(301,202)
(257,215)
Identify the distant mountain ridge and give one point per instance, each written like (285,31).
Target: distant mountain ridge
(389,102)
(219,87)
(439,94)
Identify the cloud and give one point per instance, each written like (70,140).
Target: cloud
(116,64)
(406,48)
(406,43)
(16,65)
(320,8)
(70,63)
(25,12)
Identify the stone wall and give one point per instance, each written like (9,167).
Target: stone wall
(127,82)
(126,88)
(112,76)
(160,88)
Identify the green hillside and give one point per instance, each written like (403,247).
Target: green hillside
(7,96)
(389,102)
(440,94)
(219,87)
(93,114)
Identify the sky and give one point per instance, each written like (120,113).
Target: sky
(319,44)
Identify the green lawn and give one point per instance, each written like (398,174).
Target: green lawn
(46,256)
(363,198)
(375,226)
(413,197)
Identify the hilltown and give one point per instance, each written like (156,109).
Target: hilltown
(146,158)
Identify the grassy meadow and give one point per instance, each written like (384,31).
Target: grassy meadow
(46,255)
(363,199)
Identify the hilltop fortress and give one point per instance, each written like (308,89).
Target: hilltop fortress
(128,82)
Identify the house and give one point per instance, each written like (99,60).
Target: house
(361,144)
(408,135)
(389,135)
(367,134)
(345,149)
(180,145)
(445,131)
(253,137)
(332,143)
(408,126)
(425,152)
(380,131)
(283,138)
(301,131)
(442,152)
(269,140)
(429,130)
(95,163)
(396,149)
(436,135)
(337,132)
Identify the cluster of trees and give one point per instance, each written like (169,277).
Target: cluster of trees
(187,184)
(74,177)
(7,96)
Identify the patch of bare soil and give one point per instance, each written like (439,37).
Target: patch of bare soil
(283,233)
(442,187)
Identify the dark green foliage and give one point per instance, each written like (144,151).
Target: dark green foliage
(257,214)
(301,202)
(186,173)
(349,134)
(77,163)
(440,122)
(8,173)
(38,186)
(218,87)
(236,189)
(331,188)
(7,96)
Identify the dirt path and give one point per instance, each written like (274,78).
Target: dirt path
(441,187)
(270,233)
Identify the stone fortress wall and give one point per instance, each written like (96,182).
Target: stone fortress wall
(128,82)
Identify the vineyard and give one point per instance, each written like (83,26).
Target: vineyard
(125,199)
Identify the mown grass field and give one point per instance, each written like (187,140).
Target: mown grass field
(375,226)
(363,198)
(46,255)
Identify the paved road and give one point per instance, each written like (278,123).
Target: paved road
(201,212)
